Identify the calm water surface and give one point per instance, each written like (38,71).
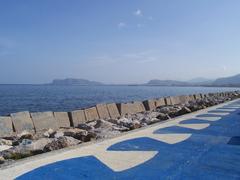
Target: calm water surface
(14,98)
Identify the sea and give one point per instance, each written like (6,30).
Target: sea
(40,98)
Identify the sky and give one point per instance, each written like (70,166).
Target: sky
(115,41)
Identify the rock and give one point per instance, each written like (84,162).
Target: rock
(16,152)
(60,143)
(184,110)
(2,160)
(37,146)
(26,148)
(164,110)
(106,133)
(121,128)
(136,124)
(104,124)
(79,134)
(49,133)
(85,127)
(125,122)
(25,142)
(25,135)
(57,134)
(162,116)
(6,142)
(4,147)
(154,120)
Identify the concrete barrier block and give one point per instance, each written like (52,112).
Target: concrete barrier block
(102,111)
(207,95)
(184,99)
(62,119)
(149,104)
(22,121)
(168,101)
(77,117)
(197,96)
(91,114)
(6,128)
(124,108)
(44,121)
(191,98)
(175,100)
(136,107)
(113,111)
(160,102)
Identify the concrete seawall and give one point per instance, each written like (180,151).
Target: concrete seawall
(36,122)
(198,145)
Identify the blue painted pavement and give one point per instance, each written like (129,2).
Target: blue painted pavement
(210,153)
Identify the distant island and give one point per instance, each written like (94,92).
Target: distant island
(72,81)
(232,81)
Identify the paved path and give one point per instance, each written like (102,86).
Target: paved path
(201,145)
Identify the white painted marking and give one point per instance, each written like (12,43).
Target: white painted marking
(219,113)
(170,138)
(209,118)
(122,160)
(194,126)
(228,110)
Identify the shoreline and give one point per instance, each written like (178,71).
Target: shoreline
(25,165)
(97,123)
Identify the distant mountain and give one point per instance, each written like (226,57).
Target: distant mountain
(228,81)
(200,80)
(70,81)
(156,82)
(233,81)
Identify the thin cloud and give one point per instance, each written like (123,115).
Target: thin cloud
(138,12)
(150,18)
(140,25)
(122,25)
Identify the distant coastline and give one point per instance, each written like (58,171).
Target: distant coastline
(233,81)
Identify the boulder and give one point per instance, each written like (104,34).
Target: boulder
(85,127)
(25,135)
(6,142)
(36,147)
(4,147)
(136,124)
(76,133)
(60,143)
(50,132)
(2,160)
(125,122)
(162,116)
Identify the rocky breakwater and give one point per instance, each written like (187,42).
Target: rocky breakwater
(26,134)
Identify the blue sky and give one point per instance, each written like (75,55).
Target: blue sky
(127,41)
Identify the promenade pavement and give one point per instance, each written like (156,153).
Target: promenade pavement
(200,145)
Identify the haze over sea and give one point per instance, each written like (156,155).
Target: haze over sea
(14,98)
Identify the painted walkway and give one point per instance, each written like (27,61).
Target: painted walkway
(202,145)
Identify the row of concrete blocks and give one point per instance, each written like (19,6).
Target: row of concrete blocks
(36,122)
